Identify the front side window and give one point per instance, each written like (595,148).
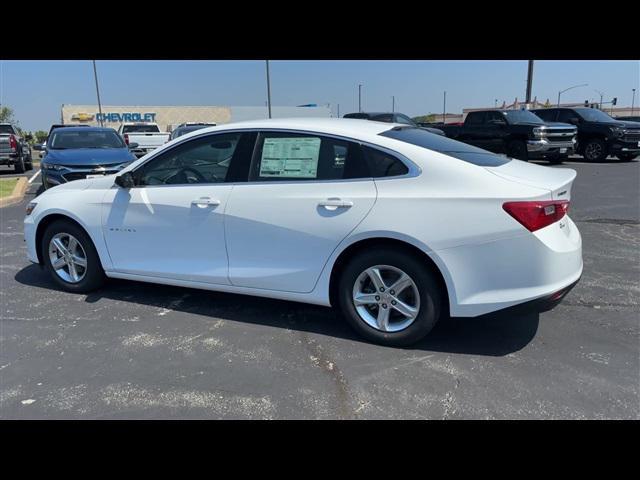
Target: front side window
(201,160)
(293,156)
(547,115)
(475,118)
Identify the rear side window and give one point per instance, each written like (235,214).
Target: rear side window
(293,156)
(453,148)
(475,118)
(382,164)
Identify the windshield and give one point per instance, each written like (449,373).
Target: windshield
(594,115)
(521,116)
(140,128)
(64,139)
(439,143)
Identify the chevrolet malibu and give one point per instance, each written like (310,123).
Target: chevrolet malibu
(395,226)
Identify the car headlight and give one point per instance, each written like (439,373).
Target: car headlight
(30,207)
(49,166)
(539,131)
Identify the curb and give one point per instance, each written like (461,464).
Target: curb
(17,194)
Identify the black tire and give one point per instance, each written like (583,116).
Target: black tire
(19,165)
(94,276)
(595,150)
(430,295)
(626,157)
(518,149)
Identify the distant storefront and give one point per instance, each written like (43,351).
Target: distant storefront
(168,117)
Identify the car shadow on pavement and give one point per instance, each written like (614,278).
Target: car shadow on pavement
(491,335)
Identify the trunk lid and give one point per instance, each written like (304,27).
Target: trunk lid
(557,181)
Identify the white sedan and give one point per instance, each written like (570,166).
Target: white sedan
(394,225)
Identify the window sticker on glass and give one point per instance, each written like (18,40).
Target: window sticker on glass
(295,157)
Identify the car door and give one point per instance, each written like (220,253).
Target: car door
(171,224)
(305,194)
(495,132)
(472,132)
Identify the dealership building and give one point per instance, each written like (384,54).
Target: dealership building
(169,117)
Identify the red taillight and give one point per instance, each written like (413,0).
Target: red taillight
(13,144)
(126,138)
(537,215)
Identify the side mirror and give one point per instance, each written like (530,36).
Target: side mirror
(125,180)
(133,145)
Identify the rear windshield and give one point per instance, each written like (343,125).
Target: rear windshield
(442,144)
(140,128)
(62,139)
(6,129)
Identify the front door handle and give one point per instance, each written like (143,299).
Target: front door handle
(205,202)
(333,203)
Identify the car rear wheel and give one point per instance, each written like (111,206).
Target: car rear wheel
(389,297)
(518,149)
(595,150)
(19,166)
(71,258)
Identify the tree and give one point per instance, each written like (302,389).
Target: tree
(6,115)
(40,136)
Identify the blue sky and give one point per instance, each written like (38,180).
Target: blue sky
(37,89)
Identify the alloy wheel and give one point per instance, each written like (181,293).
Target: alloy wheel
(386,298)
(68,258)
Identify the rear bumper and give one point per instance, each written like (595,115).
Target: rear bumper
(531,267)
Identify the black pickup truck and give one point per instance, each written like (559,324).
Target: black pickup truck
(391,117)
(599,135)
(518,133)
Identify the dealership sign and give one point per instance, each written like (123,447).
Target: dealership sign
(126,117)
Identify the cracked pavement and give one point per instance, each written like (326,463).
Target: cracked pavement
(134,350)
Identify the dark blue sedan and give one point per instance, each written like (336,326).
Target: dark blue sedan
(75,153)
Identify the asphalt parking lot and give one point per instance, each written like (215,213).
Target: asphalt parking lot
(135,350)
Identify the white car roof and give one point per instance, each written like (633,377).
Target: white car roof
(347,127)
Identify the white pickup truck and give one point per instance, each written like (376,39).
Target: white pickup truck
(143,137)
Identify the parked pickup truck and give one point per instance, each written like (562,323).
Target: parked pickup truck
(518,133)
(599,134)
(14,149)
(147,136)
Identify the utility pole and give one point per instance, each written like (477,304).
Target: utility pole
(95,76)
(444,109)
(529,82)
(338,110)
(359,97)
(633,100)
(268,89)
(393,103)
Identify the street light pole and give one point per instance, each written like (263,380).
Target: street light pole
(444,109)
(529,83)
(566,89)
(393,103)
(268,89)
(359,97)
(633,100)
(95,76)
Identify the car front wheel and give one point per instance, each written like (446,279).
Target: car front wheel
(71,258)
(389,297)
(595,150)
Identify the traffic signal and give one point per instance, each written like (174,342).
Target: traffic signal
(615,101)
(586,103)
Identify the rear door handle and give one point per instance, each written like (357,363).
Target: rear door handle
(333,203)
(205,202)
